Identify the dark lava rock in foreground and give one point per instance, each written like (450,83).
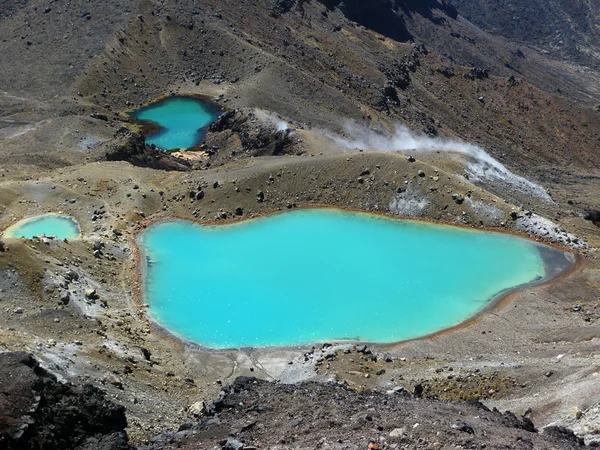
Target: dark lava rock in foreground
(39,412)
(258,414)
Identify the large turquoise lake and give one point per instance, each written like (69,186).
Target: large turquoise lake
(320,274)
(62,227)
(182,120)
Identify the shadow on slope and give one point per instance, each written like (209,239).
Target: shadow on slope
(387,17)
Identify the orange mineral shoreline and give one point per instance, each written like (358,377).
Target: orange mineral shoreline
(496,304)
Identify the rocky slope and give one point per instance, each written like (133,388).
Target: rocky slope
(564,29)
(39,412)
(253,414)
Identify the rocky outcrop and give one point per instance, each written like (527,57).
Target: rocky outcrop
(399,76)
(39,412)
(593,216)
(254,413)
(566,29)
(131,147)
(278,7)
(258,136)
(477,73)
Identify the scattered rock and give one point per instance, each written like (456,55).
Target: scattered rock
(279,7)
(418,390)
(145,353)
(197,409)
(464,427)
(397,432)
(102,117)
(447,72)
(65,298)
(459,199)
(563,433)
(115,381)
(477,74)
(593,216)
(232,444)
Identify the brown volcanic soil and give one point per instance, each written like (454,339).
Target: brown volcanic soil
(314,69)
(311,415)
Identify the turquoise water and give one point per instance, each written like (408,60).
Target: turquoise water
(316,275)
(50,225)
(183,121)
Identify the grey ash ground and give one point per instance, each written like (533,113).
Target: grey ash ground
(292,74)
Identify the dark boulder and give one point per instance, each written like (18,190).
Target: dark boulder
(593,216)
(98,116)
(39,412)
(564,434)
(459,199)
(477,74)
(447,72)
(278,7)
(390,93)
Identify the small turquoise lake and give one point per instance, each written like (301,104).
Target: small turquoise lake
(317,275)
(181,122)
(62,227)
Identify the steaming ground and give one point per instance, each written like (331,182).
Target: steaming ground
(480,166)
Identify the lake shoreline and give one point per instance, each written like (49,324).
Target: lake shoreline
(497,302)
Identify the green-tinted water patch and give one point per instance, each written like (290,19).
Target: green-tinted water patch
(181,121)
(62,227)
(317,275)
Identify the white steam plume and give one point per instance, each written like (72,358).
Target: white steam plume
(480,167)
(277,122)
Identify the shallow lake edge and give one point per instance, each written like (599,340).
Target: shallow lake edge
(500,301)
(24,220)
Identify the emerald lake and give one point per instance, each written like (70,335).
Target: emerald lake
(62,227)
(182,121)
(317,275)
